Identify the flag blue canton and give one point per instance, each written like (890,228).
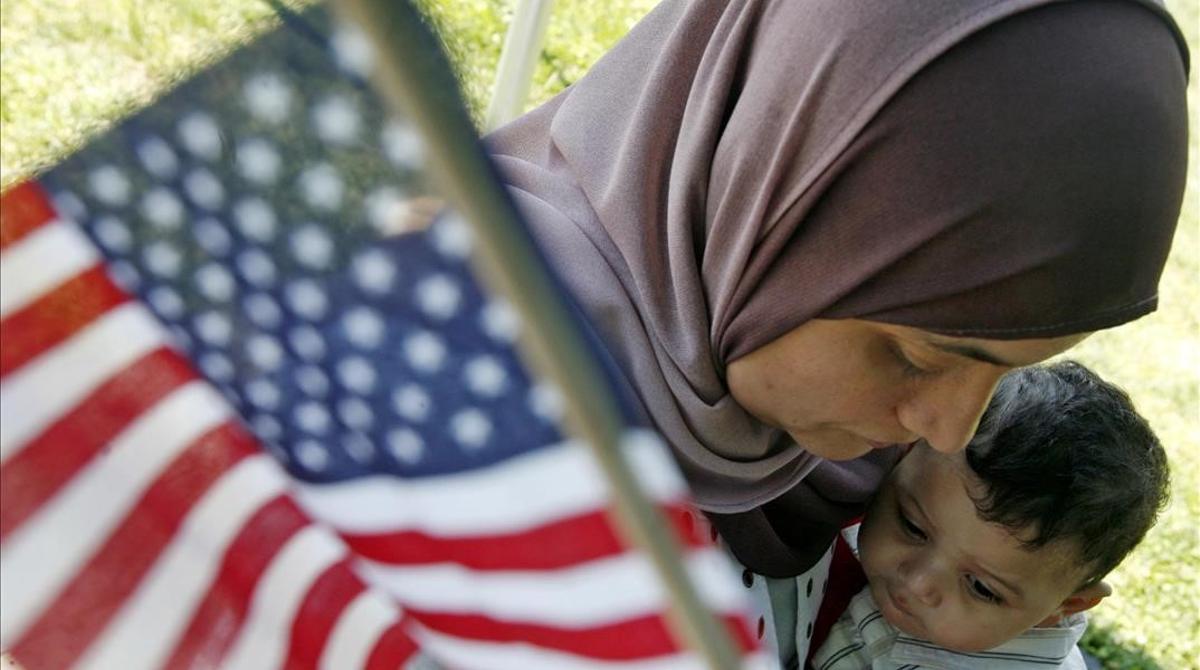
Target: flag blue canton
(259,230)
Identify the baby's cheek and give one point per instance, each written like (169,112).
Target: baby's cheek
(872,543)
(968,630)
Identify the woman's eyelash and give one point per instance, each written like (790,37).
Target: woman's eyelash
(981,591)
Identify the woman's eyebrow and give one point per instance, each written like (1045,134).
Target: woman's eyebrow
(974,353)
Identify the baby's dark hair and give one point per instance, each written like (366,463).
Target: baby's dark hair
(1064,456)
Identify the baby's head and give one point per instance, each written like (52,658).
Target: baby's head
(1060,482)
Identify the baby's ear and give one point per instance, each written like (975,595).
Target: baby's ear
(1081,601)
(1086,598)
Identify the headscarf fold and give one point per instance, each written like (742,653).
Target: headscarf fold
(732,169)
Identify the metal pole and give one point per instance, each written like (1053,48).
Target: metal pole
(423,89)
(522,44)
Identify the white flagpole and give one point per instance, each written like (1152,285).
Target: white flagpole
(552,344)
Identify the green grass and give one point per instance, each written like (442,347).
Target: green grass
(577,34)
(1154,614)
(71,68)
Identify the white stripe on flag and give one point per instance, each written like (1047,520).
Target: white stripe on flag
(457,652)
(146,629)
(39,557)
(45,258)
(263,640)
(34,397)
(649,458)
(357,630)
(522,493)
(760,660)
(595,593)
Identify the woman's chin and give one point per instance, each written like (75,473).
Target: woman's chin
(832,447)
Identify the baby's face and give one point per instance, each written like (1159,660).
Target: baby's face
(940,573)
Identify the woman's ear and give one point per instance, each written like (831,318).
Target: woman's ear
(1082,600)
(410,215)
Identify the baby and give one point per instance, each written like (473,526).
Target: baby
(988,557)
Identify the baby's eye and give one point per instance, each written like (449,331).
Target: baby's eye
(911,529)
(981,591)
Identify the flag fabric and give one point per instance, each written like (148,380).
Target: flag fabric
(248,421)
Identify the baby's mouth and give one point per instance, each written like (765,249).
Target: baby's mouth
(900,604)
(897,612)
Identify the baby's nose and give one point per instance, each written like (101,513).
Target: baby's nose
(925,588)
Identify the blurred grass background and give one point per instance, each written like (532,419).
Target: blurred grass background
(71,68)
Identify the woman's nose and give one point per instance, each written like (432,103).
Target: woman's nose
(945,412)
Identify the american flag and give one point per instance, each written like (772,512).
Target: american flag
(248,423)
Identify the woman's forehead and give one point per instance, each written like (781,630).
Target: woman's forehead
(1005,353)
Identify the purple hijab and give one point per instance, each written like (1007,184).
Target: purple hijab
(732,169)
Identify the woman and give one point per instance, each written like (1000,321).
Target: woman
(812,230)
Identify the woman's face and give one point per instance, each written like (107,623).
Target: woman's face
(843,387)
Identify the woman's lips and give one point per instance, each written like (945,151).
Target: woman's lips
(876,444)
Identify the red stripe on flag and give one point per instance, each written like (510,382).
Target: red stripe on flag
(99,588)
(323,605)
(681,517)
(643,637)
(23,208)
(746,638)
(219,617)
(392,649)
(33,474)
(55,316)
(551,546)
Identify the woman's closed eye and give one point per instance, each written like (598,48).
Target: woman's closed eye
(909,367)
(980,591)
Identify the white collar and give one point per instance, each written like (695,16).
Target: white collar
(1035,648)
